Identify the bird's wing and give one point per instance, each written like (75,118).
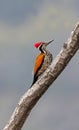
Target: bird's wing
(38,63)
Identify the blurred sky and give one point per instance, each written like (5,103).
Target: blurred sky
(22,23)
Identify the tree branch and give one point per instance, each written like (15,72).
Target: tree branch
(30,98)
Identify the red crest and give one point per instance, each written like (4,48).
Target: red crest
(37,44)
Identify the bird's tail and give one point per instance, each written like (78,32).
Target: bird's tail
(34,80)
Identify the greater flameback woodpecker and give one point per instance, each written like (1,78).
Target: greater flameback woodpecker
(43,60)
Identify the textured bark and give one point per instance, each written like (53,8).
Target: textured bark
(30,98)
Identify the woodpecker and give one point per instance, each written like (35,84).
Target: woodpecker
(43,60)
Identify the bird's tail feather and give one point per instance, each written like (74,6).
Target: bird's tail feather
(34,80)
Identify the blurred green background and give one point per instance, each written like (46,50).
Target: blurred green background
(22,23)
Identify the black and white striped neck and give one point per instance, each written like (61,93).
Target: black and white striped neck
(42,48)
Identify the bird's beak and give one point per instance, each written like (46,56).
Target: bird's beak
(49,42)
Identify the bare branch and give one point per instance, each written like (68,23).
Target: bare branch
(30,98)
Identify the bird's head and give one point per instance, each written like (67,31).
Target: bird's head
(42,45)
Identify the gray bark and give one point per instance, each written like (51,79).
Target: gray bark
(30,98)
